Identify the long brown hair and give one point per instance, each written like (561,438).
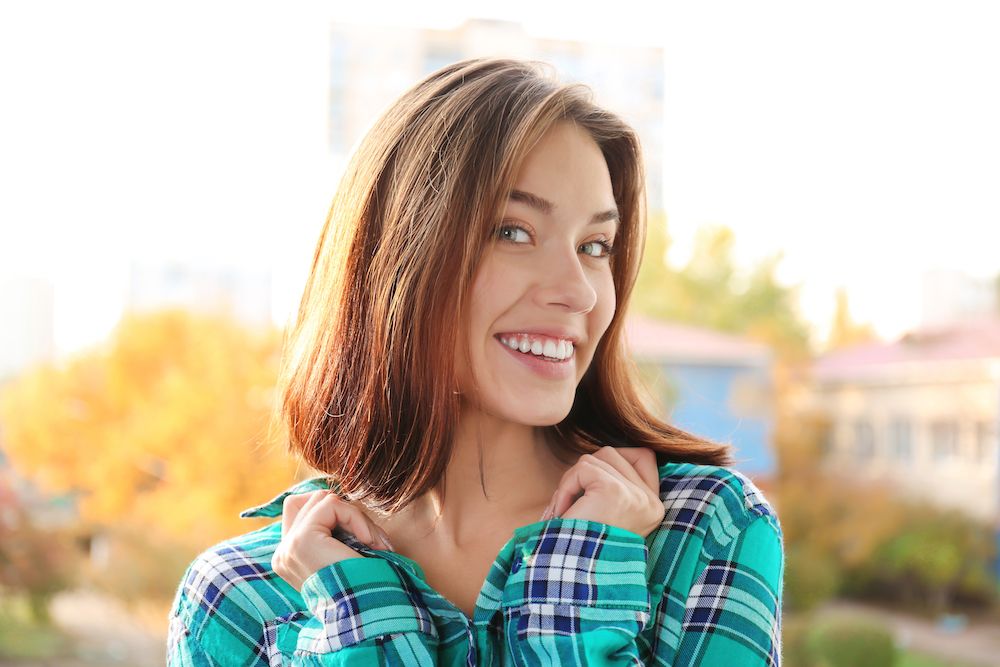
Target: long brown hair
(368,381)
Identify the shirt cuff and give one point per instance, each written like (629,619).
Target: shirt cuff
(578,562)
(361,598)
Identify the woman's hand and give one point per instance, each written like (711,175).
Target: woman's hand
(307,543)
(620,486)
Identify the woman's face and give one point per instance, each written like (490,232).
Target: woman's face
(544,282)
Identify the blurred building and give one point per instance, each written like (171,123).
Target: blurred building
(920,414)
(243,294)
(370,66)
(950,296)
(27,313)
(713,384)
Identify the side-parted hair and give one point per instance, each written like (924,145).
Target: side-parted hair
(367,390)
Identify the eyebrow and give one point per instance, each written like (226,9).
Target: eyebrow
(546,207)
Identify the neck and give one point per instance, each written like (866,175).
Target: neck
(519,475)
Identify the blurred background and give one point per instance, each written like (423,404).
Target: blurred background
(821,285)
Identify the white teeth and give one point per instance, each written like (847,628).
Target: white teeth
(552,349)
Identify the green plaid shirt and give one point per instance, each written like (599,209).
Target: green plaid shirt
(702,589)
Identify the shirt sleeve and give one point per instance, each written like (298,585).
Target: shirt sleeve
(362,614)
(733,611)
(576,594)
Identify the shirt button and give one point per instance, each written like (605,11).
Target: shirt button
(342,611)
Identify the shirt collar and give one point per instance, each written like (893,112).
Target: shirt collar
(274,506)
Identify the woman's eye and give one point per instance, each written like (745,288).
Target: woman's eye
(599,246)
(599,249)
(510,232)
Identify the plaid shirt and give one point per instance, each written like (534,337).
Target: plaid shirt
(702,589)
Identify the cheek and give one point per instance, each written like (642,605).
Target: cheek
(488,299)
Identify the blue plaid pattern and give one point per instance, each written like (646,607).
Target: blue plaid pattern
(560,570)
(703,589)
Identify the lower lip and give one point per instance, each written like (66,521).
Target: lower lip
(555,370)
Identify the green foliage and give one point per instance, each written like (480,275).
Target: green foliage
(811,577)
(839,642)
(803,635)
(937,554)
(794,651)
(22,637)
(910,659)
(711,291)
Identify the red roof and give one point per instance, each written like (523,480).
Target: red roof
(972,339)
(667,341)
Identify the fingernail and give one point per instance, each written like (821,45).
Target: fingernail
(545,514)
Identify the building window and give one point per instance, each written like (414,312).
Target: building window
(901,439)
(864,440)
(986,442)
(944,439)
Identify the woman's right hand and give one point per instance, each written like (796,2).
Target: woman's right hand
(307,543)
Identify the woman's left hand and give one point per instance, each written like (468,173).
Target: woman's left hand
(620,486)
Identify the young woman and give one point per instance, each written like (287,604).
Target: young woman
(461,331)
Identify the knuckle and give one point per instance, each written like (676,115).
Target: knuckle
(297,499)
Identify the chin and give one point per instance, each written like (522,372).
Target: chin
(543,421)
(538,417)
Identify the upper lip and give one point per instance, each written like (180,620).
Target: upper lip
(551,332)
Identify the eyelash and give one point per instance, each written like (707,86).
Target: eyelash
(609,248)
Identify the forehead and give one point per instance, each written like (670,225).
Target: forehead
(566,169)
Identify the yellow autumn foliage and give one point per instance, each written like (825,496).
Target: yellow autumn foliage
(165,427)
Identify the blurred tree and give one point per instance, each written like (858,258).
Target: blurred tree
(850,642)
(936,553)
(844,331)
(861,540)
(710,291)
(840,535)
(35,562)
(165,428)
(830,524)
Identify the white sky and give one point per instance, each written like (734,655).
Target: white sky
(859,137)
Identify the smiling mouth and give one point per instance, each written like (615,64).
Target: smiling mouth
(560,354)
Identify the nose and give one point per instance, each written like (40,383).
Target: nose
(564,282)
